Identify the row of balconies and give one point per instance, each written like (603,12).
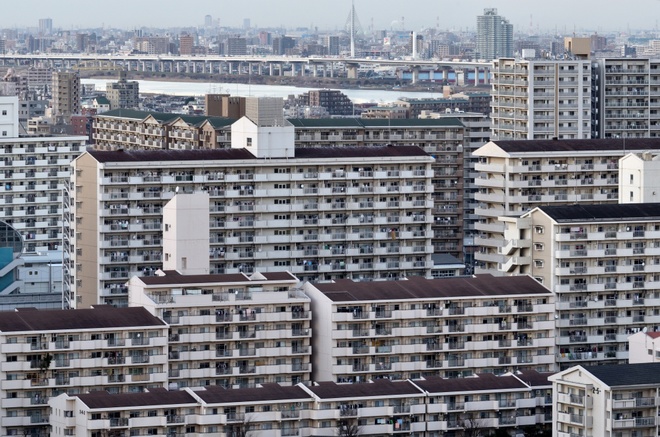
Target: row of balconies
(370,371)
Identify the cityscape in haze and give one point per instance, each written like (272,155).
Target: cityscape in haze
(332,218)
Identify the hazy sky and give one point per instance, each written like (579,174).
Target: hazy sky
(565,15)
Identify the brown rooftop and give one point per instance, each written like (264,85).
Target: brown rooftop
(103,399)
(67,320)
(480,382)
(140,155)
(624,145)
(377,388)
(416,287)
(267,392)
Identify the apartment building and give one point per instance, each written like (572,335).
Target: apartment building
(321,213)
(230,330)
(66,94)
(513,403)
(424,408)
(541,99)
(494,36)
(442,138)
(603,263)
(35,171)
(516,176)
(614,400)
(123,93)
(626,93)
(132,129)
(419,328)
(49,352)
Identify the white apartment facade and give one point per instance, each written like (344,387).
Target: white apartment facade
(416,328)
(603,264)
(607,400)
(422,408)
(516,176)
(49,352)
(230,330)
(356,212)
(540,99)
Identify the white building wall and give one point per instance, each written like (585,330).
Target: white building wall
(9,116)
(638,178)
(186,233)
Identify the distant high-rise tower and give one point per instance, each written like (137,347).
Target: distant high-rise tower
(494,36)
(45,26)
(246,23)
(123,93)
(332,44)
(208,21)
(66,94)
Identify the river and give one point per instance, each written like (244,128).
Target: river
(245,90)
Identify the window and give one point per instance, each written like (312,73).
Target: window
(538,263)
(538,246)
(248,142)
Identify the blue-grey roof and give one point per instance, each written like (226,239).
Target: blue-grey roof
(615,375)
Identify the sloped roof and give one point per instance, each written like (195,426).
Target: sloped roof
(155,396)
(572,145)
(377,388)
(604,212)
(626,374)
(95,318)
(415,287)
(267,392)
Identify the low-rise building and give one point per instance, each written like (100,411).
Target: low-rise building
(418,328)
(48,352)
(616,400)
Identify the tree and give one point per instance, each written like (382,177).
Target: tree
(472,427)
(44,364)
(346,429)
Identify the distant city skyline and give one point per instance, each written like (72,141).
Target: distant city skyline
(563,15)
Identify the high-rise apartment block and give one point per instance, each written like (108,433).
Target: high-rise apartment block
(66,94)
(321,213)
(494,36)
(517,176)
(230,330)
(49,352)
(443,138)
(602,262)
(626,93)
(541,99)
(419,328)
